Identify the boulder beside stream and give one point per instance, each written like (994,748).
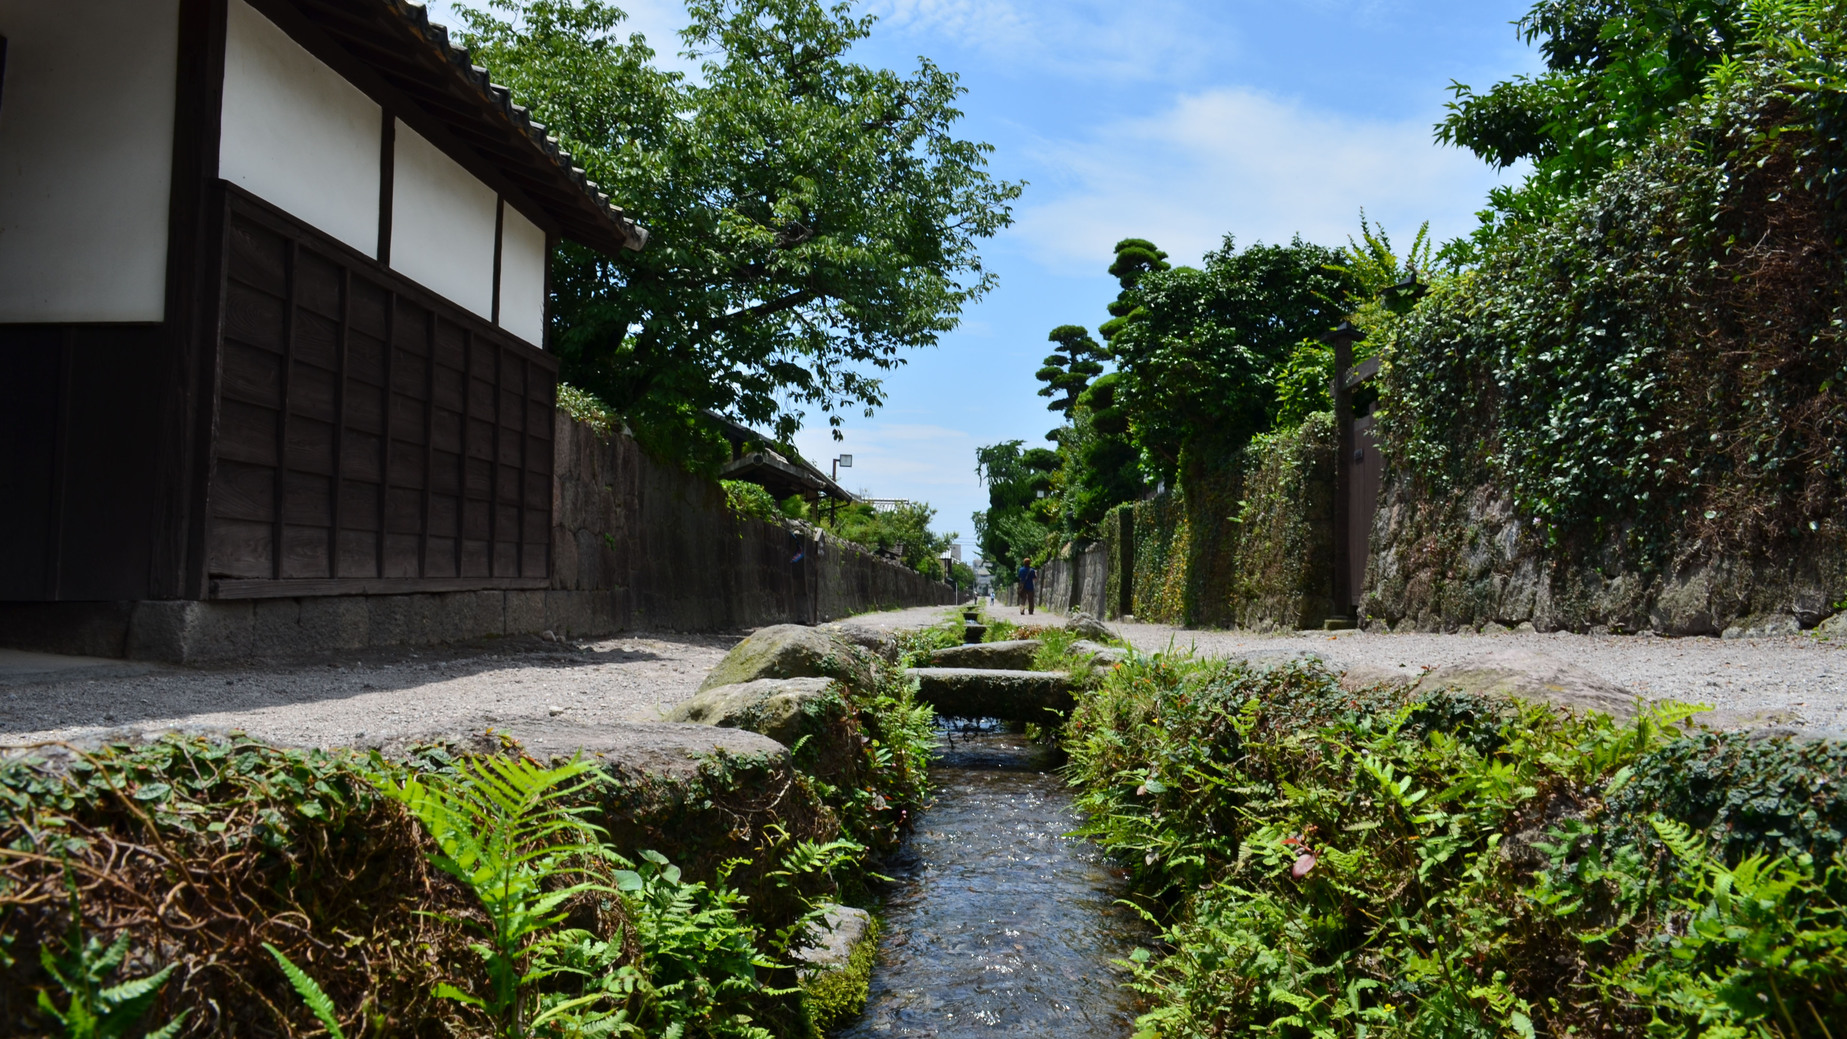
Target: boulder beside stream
(790,651)
(784,709)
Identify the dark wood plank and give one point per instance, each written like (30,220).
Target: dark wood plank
(313,391)
(387,179)
(339,423)
(255,318)
(359,455)
(307,499)
(358,554)
(365,407)
(305,552)
(474,557)
(478,481)
(371,302)
(240,548)
(442,557)
(429,460)
(317,338)
(446,391)
(445,474)
(251,375)
(406,465)
(247,432)
(384,441)
(243,492)
(317,288)
(475,520)
(408,419)
(310,445)
(446,433)
(258,257)
(401,555)
(358,505)
(404,514)
(365,356)
(288,371)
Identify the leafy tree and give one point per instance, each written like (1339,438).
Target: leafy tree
(811,218)
(1075,361)
(1107,469)
(1198,361)
(1615,70)
(1019,480)
(904,530)
(1135,257)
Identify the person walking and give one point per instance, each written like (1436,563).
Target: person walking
(1027,576)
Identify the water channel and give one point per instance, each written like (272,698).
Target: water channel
(998,923)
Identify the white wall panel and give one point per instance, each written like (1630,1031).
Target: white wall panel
(86,158)
(297,134)
(442,224)
(522,277)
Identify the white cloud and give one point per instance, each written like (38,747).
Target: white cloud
(1260,167)
(1148,40)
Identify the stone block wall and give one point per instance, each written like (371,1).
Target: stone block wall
(636,545)
(1447,562)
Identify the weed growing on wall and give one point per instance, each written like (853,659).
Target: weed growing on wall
(1379,863)
(748,500)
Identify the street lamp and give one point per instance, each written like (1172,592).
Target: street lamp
(833,508)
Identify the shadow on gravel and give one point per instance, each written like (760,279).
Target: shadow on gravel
(40,692)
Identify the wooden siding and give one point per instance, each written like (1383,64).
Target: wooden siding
(371,436)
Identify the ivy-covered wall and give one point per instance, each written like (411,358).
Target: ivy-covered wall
(1633,413)
(1284,565)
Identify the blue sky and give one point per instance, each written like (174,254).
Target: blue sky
(1180,121)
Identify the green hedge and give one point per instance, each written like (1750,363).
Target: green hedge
(1375,863)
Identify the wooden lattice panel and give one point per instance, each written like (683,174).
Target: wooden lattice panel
(371,437)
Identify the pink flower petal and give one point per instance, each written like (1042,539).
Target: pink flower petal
(1302,866)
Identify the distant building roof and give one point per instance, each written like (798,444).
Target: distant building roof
(396,41)
(779,474)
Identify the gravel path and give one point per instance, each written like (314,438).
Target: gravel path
(364,700)
(1798,675)
(373,698)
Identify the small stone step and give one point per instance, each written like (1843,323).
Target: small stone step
(973,692)
(1016,655)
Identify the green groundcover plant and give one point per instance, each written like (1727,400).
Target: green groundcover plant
(1374,863)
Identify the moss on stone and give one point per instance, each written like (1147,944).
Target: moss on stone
(837,995)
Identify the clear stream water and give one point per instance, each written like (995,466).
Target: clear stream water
(998,923)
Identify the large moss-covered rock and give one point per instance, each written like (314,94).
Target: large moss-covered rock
(784,709)
(790,651)
(1013,655)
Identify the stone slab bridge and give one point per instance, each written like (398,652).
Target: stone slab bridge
(994,680)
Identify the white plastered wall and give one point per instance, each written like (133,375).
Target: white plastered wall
(522,277)
(86,158)
(297,134)
(442,224)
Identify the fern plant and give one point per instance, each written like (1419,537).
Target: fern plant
(508,829)
(312,995)
(95,1009)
